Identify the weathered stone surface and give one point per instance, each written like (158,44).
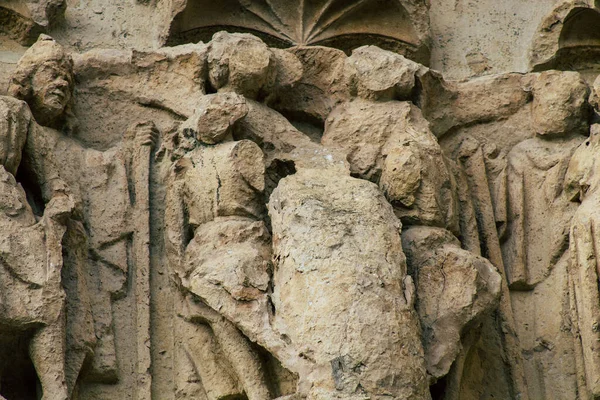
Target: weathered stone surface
(582,178)
(323,84)
(24,20)
(594,97)
(400,26)
(381,75)
(347,303)
(238,63)
(214,117)
(560,103)
(402,156)
(454,290)
(243,215)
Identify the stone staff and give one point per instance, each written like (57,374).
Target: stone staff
(140,173)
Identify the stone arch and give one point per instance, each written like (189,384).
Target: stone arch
(397,25)
(569,39)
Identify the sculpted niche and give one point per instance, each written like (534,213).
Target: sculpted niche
(398,25)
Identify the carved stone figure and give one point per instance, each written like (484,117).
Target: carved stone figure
(533,214)
(217,243)
(237,284)
(31,259)
(388,142)
(323,219)
(582,185)
(98,181)
(535,232)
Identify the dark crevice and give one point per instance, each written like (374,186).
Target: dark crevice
(18,379)
(306,123)
(280,381)
(278,170)
(32,192)
(209,88)
(438,389)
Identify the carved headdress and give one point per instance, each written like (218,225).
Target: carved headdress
(45,50)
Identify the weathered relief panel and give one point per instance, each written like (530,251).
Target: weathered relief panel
(260,200)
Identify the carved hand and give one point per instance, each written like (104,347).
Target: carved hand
(146,133)
(59,208)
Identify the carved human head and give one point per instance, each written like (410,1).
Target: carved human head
(560,105)
(44,79)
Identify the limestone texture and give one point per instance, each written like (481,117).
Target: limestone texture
(318,200)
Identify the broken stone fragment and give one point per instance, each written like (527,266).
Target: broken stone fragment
(380,74)
(214,117)
(323,83)
(341,292)
(401,155)
(286,70)
(238,62)
(454,288)
(559,103)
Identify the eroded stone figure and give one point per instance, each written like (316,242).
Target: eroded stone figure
(582,182)
(216,242)
(534,213)
(348,303)
(31,261)
(316,302)
(317,225)
(537,210)
(98,181)
(387,141)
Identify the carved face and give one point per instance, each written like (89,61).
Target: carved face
(52,89)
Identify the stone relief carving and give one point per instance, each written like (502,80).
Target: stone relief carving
(542,162)
(229,220)
(32,260)
(98,183)
(583,269)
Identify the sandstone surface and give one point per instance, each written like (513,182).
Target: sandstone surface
(274,200)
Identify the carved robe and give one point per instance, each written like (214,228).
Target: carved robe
(219,252)
(537,212)
(99,181)
(583,183)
